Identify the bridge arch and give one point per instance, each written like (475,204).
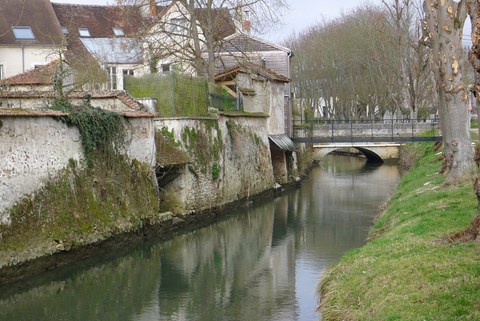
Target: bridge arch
(373,152)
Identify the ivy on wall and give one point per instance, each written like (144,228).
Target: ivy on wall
(101,131)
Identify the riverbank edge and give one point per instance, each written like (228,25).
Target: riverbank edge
(409,269)
(161,228)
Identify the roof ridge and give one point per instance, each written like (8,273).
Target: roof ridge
(82,5)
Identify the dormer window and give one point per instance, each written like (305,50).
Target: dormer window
(23,33)
(65,31)
(84,33)
(118,32)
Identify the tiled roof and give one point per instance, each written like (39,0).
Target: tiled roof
(249,68)
(222,22)
(99,20)
(42,75)
(18,112)
(124,97)
(37,14)
(241,42)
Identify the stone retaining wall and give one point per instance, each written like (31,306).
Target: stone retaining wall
(35,148)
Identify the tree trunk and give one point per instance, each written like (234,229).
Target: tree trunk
(443,27)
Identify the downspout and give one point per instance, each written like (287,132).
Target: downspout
(289,116)
(23,58)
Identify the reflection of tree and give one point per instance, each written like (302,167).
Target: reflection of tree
(243,268)
(228,265)
(115,291)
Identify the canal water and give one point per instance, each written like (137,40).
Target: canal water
(262,263)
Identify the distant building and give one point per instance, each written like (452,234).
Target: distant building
(30,36)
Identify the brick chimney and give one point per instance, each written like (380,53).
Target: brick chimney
(243,17)
(153,8)
(246,26)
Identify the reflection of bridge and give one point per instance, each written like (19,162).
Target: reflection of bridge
(377,139)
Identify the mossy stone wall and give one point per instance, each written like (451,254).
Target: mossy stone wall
(230,159)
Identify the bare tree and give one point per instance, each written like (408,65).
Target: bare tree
(353,64)
(443,30)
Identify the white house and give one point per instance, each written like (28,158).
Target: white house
(30,36)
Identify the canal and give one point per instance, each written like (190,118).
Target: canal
(262,263)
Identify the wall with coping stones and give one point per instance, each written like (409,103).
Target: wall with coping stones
(33,149)
(244,159)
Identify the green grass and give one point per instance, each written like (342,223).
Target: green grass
(408,270)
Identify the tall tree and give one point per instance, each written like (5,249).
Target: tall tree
(443,30)
(365,61)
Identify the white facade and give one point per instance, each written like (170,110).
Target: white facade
(171,42)
(16,60)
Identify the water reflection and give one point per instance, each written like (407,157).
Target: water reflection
(261,264)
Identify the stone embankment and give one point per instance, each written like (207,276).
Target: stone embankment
(63,213)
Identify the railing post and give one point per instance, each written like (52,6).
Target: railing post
(413,133)
(332,121)
(373,124)
(351,130)
(392,129)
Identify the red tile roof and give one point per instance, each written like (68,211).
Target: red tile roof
(249,68)
(99,20)
(124,97)
(42,75)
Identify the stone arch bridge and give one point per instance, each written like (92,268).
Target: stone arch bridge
(377,140)
(374,152)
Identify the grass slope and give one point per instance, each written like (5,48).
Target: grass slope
(408,270)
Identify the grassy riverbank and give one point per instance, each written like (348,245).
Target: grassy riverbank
(409,270)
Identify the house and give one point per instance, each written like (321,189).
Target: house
(35,90)
(258,90)
(261,90)
(103,36)
(242,48)
(174,45)
(30,36)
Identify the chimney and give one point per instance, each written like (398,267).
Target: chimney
(153,8)
(246,26)
(243,17)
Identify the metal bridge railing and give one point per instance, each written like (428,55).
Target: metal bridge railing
(385,130)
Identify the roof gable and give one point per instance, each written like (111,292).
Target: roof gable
(37,14)
(241,42)
(219,19)
(252,69)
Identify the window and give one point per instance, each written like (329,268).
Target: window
(65,31)
(23,33)
(178,25)
(128,72)
(165,68)
(112,77)
(84,32)
(2,72)
(118,32)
